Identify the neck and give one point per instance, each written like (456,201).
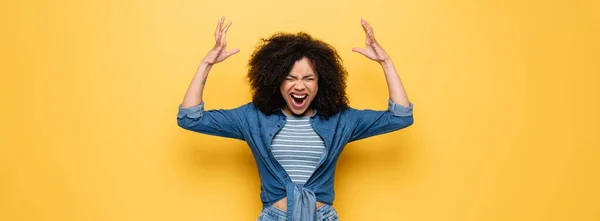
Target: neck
(306,113)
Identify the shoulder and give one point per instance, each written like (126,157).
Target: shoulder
(246,107)
(348,113)
(343,115)
(250,109)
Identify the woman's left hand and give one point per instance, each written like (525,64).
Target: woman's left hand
(373,50)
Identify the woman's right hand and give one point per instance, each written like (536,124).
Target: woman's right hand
(218,53)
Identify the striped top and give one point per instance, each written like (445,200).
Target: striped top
(298,148)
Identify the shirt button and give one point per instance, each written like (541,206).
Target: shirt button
(277,125)
(270,135)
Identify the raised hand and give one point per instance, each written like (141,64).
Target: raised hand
(372,49)
(218,53)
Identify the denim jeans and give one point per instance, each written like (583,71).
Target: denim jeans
(271,213)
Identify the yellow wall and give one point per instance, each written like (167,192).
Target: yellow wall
(505,93)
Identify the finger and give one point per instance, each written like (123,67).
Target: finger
(374,40)
(363,24)
(368,38)
(360,50)
(223,37)
(368,26)
(233,51)
(223,41)
(371,37)
(220,25)
(226,27)
(370,32)
(217,29)
(219,41)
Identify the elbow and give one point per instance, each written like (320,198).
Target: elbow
(183,123)
(199,125)
(404,122)
(187,123)
(410,121)
(187,118)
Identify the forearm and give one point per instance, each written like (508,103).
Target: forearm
(396,90)
(193,96)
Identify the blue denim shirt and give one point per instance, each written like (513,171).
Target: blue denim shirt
(248,123)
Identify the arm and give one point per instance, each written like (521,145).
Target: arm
(399,114)
(191,115)
(193,96)
(375,52)
(368,123)
(224,123)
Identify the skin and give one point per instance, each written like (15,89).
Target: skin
(193,96)
(302,80)
(298,79)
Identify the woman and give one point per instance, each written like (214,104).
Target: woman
(298,121)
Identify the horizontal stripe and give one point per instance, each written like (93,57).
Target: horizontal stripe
(297,133)
(288,165)
(279,148)
(302,125)
(299,156)
(297,151)
(301,171)
(298,120)
(286,129)
(305,161)
(294,175)
(302,141)
(299,146)
(277,154)
(305,137)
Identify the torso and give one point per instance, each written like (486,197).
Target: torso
(282,204)
(298,148)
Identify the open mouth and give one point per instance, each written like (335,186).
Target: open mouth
(299,100)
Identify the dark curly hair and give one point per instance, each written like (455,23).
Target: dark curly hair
(274,58)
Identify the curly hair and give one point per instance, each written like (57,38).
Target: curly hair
(274,58)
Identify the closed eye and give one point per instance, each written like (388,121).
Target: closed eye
(309,77)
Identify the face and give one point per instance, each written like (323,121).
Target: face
(299,88)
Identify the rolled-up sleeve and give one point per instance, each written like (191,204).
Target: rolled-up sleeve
(368,123)
(191,112)
(399,110)
(224,123)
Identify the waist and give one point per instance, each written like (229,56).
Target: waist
(282,204)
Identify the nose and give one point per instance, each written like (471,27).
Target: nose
(299,85)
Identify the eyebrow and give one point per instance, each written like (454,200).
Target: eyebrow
(293,76)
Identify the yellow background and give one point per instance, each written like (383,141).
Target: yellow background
(505,93)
